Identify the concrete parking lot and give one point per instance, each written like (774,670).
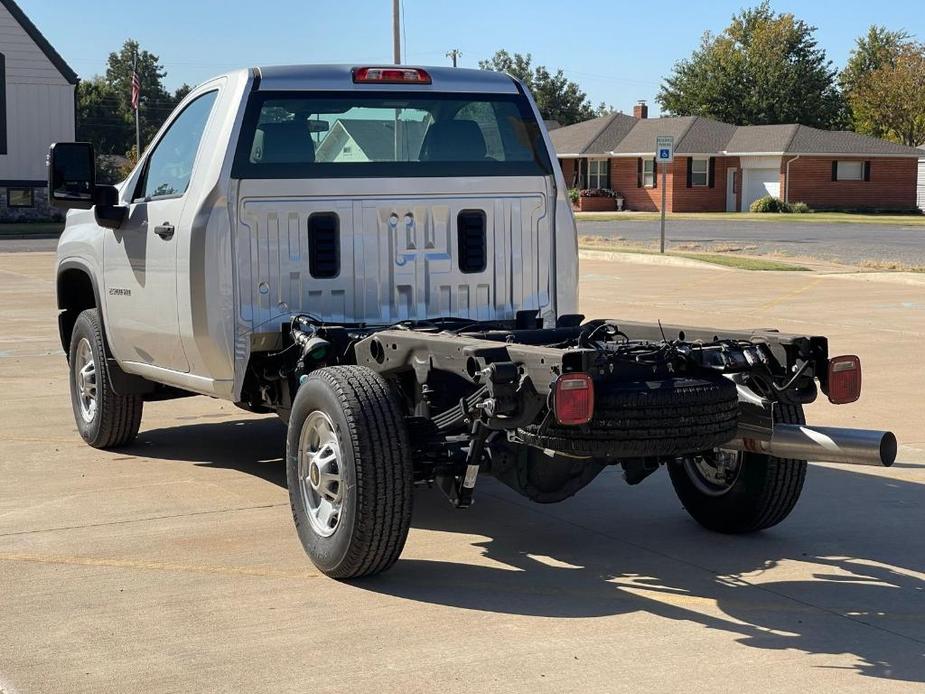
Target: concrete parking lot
(172,565)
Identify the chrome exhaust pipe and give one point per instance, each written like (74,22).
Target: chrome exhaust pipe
(819,444)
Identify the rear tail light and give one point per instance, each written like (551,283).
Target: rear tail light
(390,75)
(573,399)
(844,379)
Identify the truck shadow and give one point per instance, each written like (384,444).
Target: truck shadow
(254,446)
(844,575)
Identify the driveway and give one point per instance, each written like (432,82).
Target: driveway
(851,244)
(172,565)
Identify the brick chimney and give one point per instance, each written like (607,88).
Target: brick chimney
(640,110)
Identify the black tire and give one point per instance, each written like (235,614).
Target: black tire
(763,494)
(670,417)
(375,468)
(114,419)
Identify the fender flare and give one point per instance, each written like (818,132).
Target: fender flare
(122,383)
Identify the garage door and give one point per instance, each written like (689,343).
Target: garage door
(758,183)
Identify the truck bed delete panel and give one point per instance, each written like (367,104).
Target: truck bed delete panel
(398,259)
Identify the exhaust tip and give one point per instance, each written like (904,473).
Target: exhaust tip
(888,447)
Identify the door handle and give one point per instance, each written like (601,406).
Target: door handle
(165,231)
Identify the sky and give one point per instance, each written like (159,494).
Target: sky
(617,51)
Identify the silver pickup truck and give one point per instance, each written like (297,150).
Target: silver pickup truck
(386,258)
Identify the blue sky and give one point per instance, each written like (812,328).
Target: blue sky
(618,51)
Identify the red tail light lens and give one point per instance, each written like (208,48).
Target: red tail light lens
(844,379)
(573,399)
(390,75)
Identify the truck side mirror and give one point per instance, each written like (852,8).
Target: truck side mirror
(72,184)
(71,175)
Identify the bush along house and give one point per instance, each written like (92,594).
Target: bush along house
(36,108)
(725,168)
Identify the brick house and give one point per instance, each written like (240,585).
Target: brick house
(724,168)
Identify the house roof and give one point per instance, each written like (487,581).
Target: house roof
(812,141)
(698,135)
(761,138)
(590,137)
(377,137)
(40,41)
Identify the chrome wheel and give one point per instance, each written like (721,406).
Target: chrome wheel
(714,473)
(85,379)
(320,473)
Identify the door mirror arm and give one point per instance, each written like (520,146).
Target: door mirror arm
(107,210)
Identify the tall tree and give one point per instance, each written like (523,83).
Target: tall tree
(104,113)
(764,68)
(878,48)
(557,97)
(892,97)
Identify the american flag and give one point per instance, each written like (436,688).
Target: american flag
(136,90)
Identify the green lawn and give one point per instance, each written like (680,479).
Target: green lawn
(31,229)
(809,218)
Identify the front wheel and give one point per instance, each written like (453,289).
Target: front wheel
(735,492)
(104,418)
(349,472)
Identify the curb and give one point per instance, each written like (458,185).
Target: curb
(37,237)
(647,259)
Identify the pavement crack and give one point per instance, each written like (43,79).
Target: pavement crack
(141,520)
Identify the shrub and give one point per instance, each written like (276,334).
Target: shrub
(597,193)
(768,204)
(573,195)
(799,208)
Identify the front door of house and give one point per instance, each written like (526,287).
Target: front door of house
(731,190)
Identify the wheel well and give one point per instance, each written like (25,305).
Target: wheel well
(75,294)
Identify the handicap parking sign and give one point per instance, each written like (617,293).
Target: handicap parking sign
(664,149)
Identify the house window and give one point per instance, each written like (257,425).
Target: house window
(850,171)
(648,173)
(19,197)
(599,173)
(700,172)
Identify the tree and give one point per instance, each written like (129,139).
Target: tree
(764,68)
(98,118)
(877,49)
(557,97)
(104,113)
(892,97)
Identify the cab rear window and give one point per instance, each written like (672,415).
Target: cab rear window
(354,135)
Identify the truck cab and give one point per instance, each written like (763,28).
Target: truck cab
(348,193)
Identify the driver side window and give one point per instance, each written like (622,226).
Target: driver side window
(170,165)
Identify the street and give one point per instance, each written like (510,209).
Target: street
(851,244)
(172,565)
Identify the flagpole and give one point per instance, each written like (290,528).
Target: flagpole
(137,117)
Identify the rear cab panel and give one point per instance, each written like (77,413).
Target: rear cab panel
(388,209)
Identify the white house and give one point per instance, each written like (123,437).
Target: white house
(361,140)
(36,108)
(920,191)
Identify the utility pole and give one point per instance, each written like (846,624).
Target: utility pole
(453,55)
(396,32)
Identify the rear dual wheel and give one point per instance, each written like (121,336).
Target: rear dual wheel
(736,492)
